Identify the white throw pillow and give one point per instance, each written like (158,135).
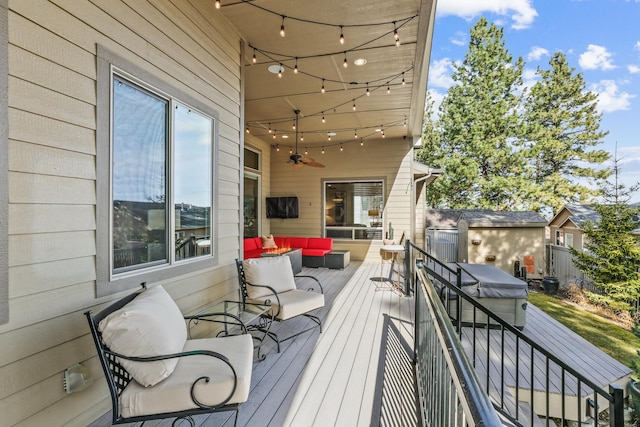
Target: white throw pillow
(150,325)
(274,271)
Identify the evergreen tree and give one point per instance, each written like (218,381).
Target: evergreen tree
(430,134)
(562,126)
(479,124)
(612,254)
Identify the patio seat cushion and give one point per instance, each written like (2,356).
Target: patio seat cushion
(292,303)
(274,271)
(138,330)
(252,244)
(298,242)
(173,394)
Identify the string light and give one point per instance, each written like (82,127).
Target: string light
(329,136)
(361,142)
(295,69)
(302,136)
(277,147)
(322,150)
(306,151)
(341,149)
(294,125)
(403,82)
(274,134)
(345,64)
(322,90)
(355,134)
(354,105)
(323,120)
(280,71)
(248,129)
(282,27)
(388,89)
(217,4)
(395,34)
(341,35)
(290,150)
(269,127)
(368,93)
(254,59)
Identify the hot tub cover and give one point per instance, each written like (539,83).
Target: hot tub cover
(487,281)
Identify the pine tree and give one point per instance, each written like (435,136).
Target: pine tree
(479,123)
(562,126)
(612,254)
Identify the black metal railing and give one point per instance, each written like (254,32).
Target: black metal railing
(544,385)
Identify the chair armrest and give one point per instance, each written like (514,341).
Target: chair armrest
(204,378)
(313,278)
(205,318)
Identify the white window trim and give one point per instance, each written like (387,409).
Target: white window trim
(106,283)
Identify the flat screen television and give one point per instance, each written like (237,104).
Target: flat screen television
(282,207)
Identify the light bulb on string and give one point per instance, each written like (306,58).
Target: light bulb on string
(269,127)
(323,120)
(395,34)
(293,126)
(217,4)
(277,147)
(295,68)
(322,90)
(361,142)
(354,105)
(368,93)
(282,34)
(280,71)
(248,129)
(341,35)
(345,64)
(254,59)
(355,134)
(403,82)
(322,150)
(388,89)
(302,136)
(274,134)
(329,136)
(306,151)
(341,149)
(290,150)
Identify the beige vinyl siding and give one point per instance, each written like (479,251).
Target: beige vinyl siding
(4,170)
(52,179)
(386,160)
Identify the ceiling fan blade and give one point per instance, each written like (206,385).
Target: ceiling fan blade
(314,164)
(306,159)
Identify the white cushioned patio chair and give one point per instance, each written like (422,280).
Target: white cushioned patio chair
(153,371)
(270,281)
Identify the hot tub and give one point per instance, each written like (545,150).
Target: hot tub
(498,291)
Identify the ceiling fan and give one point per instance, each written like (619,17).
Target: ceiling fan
(298,159)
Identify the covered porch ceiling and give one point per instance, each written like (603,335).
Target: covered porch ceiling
(395,74)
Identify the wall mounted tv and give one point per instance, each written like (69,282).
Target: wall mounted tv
(282,207)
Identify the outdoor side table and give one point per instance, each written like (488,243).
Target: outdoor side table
(388,256)
(256,318)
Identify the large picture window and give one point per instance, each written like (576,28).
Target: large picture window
(161,179)
(353,209)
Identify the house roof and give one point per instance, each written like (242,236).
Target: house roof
(483,218)
(312,43)
(443,219)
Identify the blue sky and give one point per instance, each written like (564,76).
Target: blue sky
(601,39)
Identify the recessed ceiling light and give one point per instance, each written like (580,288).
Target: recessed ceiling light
(275,69)
(285,136)
(331,134)
(360,62)
(378,130)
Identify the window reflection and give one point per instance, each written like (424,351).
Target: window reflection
(353,210)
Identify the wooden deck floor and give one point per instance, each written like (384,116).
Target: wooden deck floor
(338,377)
(329,378)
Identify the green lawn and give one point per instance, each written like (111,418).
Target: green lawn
(614,340)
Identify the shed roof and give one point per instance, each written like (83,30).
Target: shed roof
(503,219)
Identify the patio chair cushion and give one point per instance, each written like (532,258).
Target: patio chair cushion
(292,303)
(268,271)
(138,330)
(173,394)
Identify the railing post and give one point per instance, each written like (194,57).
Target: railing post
(616,407)
(408,271)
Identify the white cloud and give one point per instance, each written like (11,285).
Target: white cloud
(437,98)
(596,58)
(521,12)
(460,39)
(633,69)
(637,45)
(440,73)
(609,99)
(536,53)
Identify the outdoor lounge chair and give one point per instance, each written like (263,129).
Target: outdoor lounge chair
(270,281)
(153,371)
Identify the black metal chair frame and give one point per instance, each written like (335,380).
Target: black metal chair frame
(118,378)
(245,295)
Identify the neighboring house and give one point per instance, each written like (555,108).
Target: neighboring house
(508,240)
(565,228)
(131,128)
